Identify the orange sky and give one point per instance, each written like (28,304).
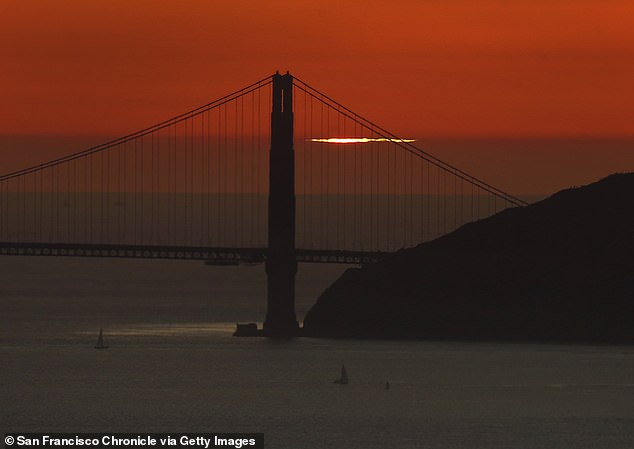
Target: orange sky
(421,68)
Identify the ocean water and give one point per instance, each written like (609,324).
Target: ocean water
(173,366)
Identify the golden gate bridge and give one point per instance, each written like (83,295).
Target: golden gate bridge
(276,172)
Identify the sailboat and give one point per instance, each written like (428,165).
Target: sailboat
(100,344)
(343,380)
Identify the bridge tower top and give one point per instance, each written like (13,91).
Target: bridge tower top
(282,93)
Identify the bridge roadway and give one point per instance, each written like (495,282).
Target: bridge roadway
(212,256)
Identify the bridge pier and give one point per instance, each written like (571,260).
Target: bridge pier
(281,263)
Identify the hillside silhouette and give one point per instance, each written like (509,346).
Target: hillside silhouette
(561,269)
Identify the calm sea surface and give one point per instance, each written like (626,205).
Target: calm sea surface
(172,366)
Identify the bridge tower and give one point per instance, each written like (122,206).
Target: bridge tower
(281,265)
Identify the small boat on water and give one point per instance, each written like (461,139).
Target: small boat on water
(247,330)
(343,380)
(100,344)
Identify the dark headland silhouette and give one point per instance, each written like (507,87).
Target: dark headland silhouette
(559,270)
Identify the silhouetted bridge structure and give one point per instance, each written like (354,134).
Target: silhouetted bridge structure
(276,172)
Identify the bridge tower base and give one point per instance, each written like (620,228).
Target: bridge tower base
(281,263)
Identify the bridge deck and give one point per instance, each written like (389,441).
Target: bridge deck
(214,256)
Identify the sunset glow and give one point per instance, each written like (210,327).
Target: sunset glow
(349,140)
(506,89)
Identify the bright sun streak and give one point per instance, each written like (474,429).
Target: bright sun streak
(345,140)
